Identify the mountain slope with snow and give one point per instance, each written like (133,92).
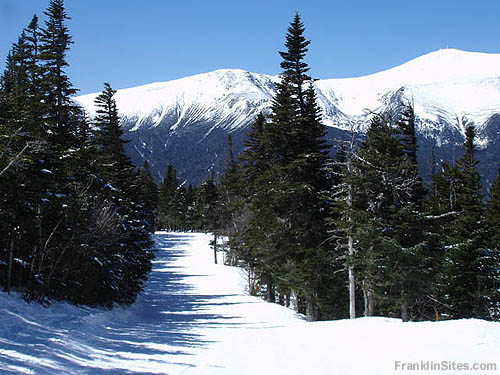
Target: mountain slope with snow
(195,317)
(185,122)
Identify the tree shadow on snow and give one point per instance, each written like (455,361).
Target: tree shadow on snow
(157,329)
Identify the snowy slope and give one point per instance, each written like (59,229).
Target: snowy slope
(232,97)
(445,86)
(448,81)
(185,122)
(194,317)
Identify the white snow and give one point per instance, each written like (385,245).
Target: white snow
(448,84)
(221,94)
(195,317)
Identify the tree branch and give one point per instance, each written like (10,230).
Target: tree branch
(14,160)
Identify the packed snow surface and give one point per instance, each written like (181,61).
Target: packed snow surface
(194,317)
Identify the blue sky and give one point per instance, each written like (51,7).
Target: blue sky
(130,42)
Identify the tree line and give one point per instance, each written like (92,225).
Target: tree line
(359,234)
(75,214)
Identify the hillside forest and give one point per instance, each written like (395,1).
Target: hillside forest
(359,233)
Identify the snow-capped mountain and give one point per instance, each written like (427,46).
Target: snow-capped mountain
(185,121)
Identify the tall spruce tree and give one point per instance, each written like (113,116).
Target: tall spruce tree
(114,165)
(129,260)
(287,157)
(76,230)
(468,270)
(492,212)
(254,241)
(342,220)
(166,200)
(58,122)
(390,220)
(149,195)
(55,42)
(492,220)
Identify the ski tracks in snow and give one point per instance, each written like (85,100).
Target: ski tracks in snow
(188,305)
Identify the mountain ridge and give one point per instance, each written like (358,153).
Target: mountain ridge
(173,121)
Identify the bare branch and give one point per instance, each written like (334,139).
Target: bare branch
(442,216)
(11,163)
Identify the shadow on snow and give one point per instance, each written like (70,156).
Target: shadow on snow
(159,324)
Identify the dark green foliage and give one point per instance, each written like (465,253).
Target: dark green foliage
(166,217)
(470,268)
(125,192)
(148,191)
(377,219)
(71,227)
(231,199)
(492,223)
(278,217)
(492,213)
(190,208)
(207,204)
(187,208)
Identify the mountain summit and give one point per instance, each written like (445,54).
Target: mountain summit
(185,122)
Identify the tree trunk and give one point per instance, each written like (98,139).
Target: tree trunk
(350,245)
(311,309)
(295,298)
(11,259)
(352,291)
(215,248)
(404,312)
(251,282)
(368,298)
(271,297)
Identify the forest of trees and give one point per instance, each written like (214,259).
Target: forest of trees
(359,234)
(356,234)
(75,214)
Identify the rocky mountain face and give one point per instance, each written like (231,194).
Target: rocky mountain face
(185,122)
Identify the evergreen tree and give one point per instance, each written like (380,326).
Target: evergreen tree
(341,220)
(294,68)
(114,165)
(284,166)
(492,220)
(208,205)
(252,241)
(15,160)
(77,230)
(469,270)
(166,200)
(392,256)
(55,42)
(492,212)
(129,260)
(148,195)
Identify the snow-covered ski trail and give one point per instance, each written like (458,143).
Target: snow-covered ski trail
(188,303)
(195,318)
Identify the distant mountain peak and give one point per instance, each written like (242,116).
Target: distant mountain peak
(446,65)
(174,121)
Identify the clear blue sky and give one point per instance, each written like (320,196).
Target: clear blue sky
(131,42)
